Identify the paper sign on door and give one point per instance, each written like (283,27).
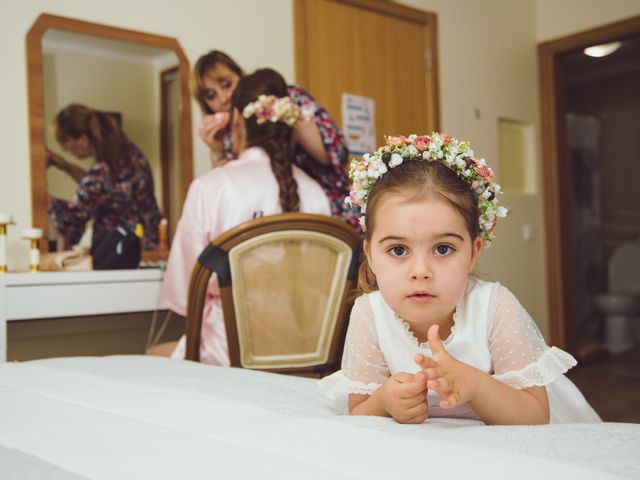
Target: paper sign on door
(358,123)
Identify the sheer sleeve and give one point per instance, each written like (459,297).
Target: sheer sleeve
(364,367)
(520,356)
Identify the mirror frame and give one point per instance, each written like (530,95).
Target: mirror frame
(35,91)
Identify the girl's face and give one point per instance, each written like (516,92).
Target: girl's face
(421,254)
(219,83)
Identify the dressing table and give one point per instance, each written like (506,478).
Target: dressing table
(41,295)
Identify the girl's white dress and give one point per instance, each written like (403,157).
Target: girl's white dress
(491,332)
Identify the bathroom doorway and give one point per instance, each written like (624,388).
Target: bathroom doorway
(590,109)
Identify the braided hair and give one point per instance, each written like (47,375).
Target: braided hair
(276,138)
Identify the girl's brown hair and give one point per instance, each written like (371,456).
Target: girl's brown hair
(274,137)
(109,143)
(416,179)
(203,65)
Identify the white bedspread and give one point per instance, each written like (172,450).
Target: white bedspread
(127,417)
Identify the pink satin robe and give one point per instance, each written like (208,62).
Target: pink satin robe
(217,201)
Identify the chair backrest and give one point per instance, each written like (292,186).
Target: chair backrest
(285,283)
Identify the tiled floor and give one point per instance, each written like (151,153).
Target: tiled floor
(612,385)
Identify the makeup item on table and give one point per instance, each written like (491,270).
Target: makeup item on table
(33,235)
(5,219)
(163,239)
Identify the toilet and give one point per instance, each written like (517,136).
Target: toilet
(621,304)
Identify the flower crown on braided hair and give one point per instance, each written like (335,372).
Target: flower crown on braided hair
(273,109)
(440,147)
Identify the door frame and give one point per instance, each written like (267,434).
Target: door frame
(165,77)
(555,175)
(384,7)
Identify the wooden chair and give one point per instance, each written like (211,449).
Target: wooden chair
(285,283)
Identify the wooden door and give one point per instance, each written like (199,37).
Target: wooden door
(371,48)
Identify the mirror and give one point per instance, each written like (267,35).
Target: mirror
(139,78)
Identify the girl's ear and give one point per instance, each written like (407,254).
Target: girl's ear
(83,140)
(476,247)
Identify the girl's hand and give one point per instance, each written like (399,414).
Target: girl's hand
(454,381)
(404,397)
(210,130)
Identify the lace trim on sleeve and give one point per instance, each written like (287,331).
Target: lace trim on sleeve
(551,364)
(337,385)
(336,389)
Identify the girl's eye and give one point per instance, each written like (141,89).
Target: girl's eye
(443,250)
(398,251)
(209,95)
(226,84)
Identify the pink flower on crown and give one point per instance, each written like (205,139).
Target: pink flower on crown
(483,171)
(422,142)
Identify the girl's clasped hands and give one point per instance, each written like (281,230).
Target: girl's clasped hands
(404,395)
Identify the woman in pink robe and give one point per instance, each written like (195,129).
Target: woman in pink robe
(262,181)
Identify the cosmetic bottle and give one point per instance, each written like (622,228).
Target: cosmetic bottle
(5,219)
(163,240)
(33,235)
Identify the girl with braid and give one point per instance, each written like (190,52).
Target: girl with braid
(262,181)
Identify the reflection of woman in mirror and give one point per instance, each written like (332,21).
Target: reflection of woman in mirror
(117,190)
(319,149)
(262,181)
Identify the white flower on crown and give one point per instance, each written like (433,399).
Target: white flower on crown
(276,109)
(395,160)
(456,155)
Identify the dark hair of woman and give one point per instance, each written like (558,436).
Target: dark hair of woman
(108,141)
(274,137)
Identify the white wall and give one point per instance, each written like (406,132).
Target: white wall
(556,19)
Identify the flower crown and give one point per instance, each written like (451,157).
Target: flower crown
(274,109)
(458,156)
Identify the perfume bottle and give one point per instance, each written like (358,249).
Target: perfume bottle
(33,235)
(5,219)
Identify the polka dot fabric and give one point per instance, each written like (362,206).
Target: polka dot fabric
(492,332)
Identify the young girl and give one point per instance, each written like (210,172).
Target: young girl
(262,181)
(430,208)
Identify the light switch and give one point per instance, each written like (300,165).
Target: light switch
(527,232)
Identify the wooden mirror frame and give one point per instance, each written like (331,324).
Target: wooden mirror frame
(35,89)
